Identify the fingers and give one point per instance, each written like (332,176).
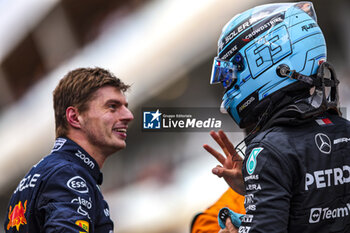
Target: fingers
(217,171)
(221,171)
(216,154)
(231,149)
(230,227)
(224,230)
(226,142)
(218,140)
(216,137)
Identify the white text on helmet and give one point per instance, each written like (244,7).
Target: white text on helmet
(246,104)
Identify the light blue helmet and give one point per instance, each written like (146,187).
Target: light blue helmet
(256,48)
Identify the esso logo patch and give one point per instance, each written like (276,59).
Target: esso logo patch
(78,184)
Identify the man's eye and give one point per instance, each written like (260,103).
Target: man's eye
(112,106)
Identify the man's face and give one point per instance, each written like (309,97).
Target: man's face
(106,121)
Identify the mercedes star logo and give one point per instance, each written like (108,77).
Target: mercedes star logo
(323,143)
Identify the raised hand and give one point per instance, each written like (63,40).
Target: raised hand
(231,164)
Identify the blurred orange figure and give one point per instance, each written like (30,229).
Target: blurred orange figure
(208,220)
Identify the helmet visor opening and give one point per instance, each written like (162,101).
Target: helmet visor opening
(223,72)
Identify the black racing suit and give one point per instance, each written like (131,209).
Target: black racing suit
(297,178)
(60,194)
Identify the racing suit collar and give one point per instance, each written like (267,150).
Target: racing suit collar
(75,153)
(287,116)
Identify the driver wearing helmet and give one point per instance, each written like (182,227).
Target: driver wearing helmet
(296,168)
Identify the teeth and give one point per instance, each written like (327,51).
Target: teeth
(121,130)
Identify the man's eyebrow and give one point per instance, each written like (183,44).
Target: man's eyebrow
(117,102)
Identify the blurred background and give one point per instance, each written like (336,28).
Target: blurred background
(164,48)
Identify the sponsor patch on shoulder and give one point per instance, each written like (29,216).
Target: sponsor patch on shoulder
(17,215)
(58,144)
(83,224)
(251,162)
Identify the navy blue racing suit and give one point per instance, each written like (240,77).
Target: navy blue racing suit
(60,194)
(297,178)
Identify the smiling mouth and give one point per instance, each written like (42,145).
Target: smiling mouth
(120,130)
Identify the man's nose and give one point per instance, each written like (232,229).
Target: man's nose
(127,114)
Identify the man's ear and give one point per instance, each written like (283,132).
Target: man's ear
(72,116)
